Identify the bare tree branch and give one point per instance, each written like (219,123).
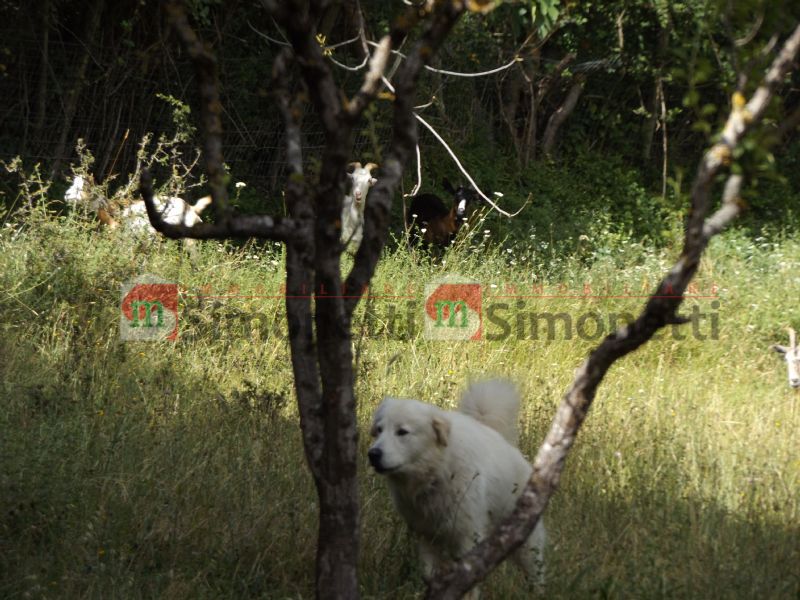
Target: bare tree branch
(298,25)
(502,67)
(562,113)
(240,227)
(211,108)
(372,82)
(452,154)
(294,147)
(464,172)
(547,82)
(660,310)
(404,139)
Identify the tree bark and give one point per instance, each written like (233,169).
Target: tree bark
(508,99)
(658,90)
(558,118)
(539,93)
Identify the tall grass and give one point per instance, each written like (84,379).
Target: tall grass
(175,470)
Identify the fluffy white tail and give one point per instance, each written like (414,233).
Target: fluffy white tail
(494,403)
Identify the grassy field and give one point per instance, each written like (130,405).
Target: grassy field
(175,470)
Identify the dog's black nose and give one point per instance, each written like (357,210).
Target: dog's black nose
(375,455)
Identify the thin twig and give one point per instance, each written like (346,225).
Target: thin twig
(266,37)
(455,159)
(508,65)
(463,170)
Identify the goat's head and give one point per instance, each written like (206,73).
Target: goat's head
(361,180)
(463,197)
(791,355)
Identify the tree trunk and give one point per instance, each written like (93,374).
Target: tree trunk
(44,69)
(322,361)
(656,99)
(564,111)
(545,85)
(337,484)
(74,94)
(649,128)
(531,130)
(508,91)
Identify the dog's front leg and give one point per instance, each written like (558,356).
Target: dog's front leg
(430,561)
(530,557)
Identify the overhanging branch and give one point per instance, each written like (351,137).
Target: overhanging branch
(660,310)
(240,226)
(372,82)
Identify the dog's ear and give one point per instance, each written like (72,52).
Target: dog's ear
(441,427)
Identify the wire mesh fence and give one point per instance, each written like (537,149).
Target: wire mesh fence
(57,89)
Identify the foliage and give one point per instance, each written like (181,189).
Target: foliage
(203,10)
(139,80)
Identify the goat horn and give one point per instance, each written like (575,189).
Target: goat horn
(370,166)
(792,339)
(355,165)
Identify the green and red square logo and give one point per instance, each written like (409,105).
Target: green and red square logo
(149,310)
(452,309)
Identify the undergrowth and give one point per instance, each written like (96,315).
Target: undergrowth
(175,470)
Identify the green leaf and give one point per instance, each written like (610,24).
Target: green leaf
(708,109)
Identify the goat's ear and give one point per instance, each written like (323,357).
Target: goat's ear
(779,349)
(448,187)
(441,428)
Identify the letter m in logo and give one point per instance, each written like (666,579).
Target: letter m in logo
(149,309)
(453,309)
(145,308)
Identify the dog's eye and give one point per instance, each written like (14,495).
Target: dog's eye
(402,431)
(376,431)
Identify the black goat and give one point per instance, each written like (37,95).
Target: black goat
(432,222)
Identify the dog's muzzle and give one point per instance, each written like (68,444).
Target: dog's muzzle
(375,456)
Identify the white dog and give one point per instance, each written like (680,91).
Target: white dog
(454,476)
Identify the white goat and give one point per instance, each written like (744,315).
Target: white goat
(361,180)
(79,194)
(792,357)
(134,217)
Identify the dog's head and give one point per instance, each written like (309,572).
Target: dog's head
(408,436)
